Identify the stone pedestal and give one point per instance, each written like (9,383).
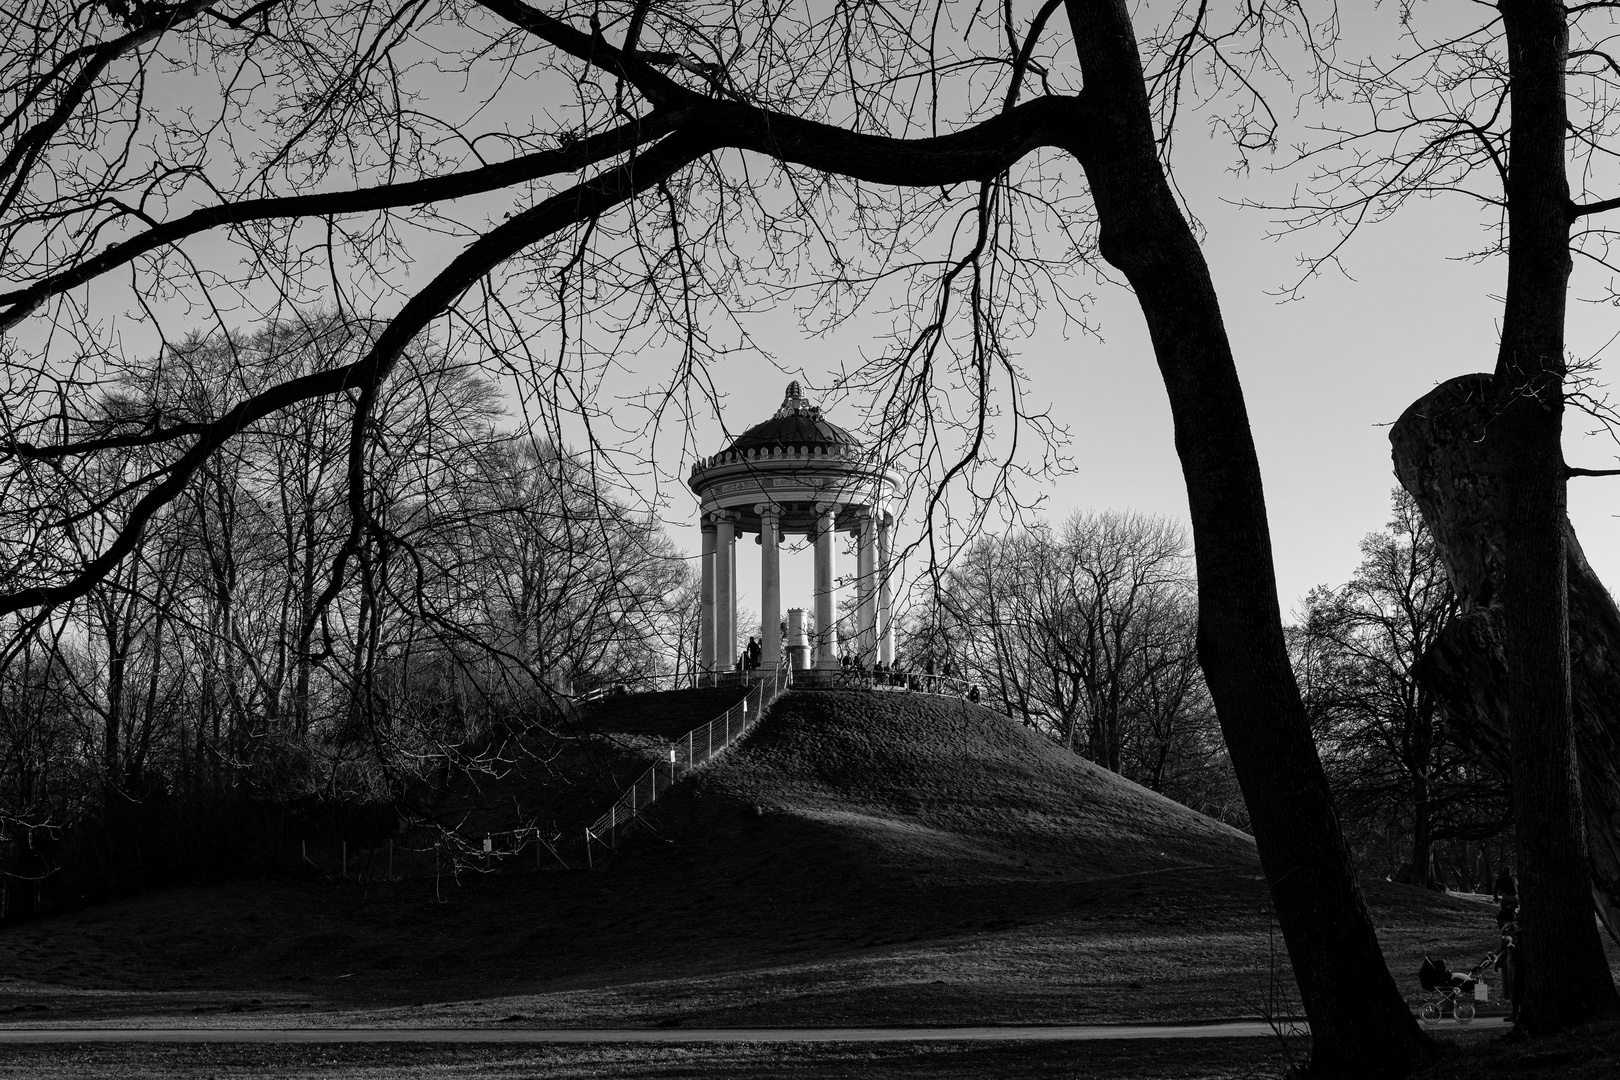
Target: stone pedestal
(798,642)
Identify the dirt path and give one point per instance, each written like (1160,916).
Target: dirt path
(987,1033)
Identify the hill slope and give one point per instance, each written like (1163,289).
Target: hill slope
(861,858)
(564,779)
(944,790)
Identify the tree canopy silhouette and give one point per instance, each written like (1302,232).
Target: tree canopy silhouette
(596,180)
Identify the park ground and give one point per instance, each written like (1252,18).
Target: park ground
(896,863)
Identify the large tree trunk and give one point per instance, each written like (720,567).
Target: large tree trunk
(1422,838)
(1359,1023)
(1568,976)
(1452,453)
(1483,455)
(1466,668)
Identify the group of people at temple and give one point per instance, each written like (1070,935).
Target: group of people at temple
(926,680)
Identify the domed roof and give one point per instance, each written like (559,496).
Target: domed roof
(796,423)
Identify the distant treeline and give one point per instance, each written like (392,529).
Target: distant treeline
(225,692)
(331,619)
(1087,630)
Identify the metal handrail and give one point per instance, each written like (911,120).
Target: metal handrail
(692,750)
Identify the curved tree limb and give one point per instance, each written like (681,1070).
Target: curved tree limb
(975,153)
(1360,1025)
(16,166)
(489,251)
(18,303)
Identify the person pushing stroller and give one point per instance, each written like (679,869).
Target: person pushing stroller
(1510,959)
(1450,990)
(1509,956)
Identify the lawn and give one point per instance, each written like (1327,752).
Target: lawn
(1217,1059)
(857,861)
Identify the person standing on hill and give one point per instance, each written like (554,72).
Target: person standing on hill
(1506,894)
(753,654)
(1507,887)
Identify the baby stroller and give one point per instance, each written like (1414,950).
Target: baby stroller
(1449,988)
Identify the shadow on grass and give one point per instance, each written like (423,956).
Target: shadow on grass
(1590,1052)
(1189,1059)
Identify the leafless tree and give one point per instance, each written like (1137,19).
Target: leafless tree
(41,751)
(1088,632)
(1505,108)
(917,156)
(203,671)
(1384,735)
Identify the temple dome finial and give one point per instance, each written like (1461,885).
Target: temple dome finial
(797,423)
(796,404)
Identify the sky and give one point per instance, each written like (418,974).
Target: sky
(1324,375)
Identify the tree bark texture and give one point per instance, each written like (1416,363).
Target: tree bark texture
(1422,841)
(1458,458)
(1359,1023)
(1520,445)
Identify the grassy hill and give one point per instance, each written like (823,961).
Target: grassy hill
(865,858)
(564,779)
(938,790)
(661,716)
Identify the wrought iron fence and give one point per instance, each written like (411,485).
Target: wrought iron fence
(433,852)
(695,748)
(449,852)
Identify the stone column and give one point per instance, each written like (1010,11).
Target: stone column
(770,587)
(725,591)
(705,657)
(866,593)
(826,653)
(885,606)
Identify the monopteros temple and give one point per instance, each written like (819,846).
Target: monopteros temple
(795,474)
